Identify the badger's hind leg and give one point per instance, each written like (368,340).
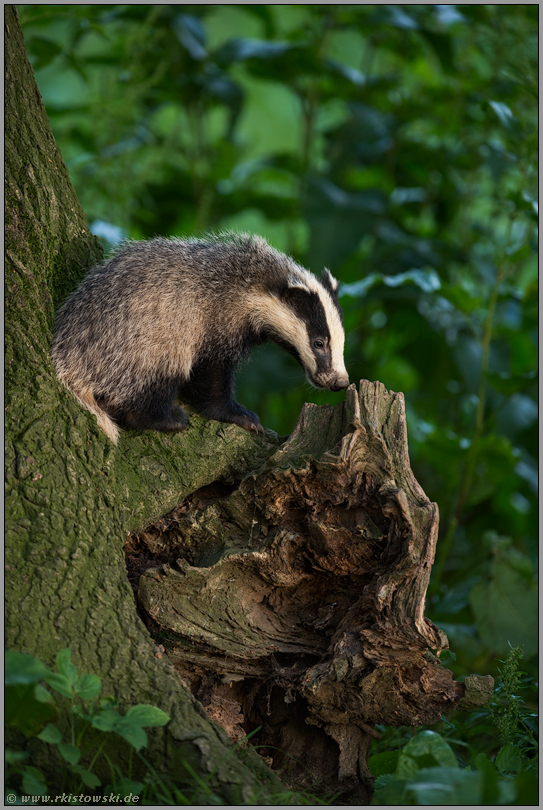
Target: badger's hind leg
(211,391)
(153,409)
(173,418)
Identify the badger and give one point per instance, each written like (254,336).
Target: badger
(171,318)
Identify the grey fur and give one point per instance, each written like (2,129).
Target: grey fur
(169,317)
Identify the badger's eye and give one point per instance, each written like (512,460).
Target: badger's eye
(318,344)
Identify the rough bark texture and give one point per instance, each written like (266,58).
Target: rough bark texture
(287,581)
(296,601)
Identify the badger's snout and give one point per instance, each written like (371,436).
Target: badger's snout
(339,383)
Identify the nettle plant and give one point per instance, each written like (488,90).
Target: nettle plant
(30,708)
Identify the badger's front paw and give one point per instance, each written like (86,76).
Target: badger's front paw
(236,414)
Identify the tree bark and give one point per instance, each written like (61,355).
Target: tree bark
(286,581)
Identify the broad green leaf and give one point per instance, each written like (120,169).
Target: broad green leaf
(60,683)
(43,695)
(70,753)
(15,757)
(21,668)
(509,759)
(427,280)
(50,734)
(427,747)
(125,786)
(65,666)
(23,711)
(490,790)
(106,720)
(501,606)
(446,786)
(145,715)
(383,780)
(34,783)
(88,687)
(527,788)
(391,792)
(133,734)
(385,763)
(89,779)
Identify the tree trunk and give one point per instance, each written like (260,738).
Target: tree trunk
(286,581)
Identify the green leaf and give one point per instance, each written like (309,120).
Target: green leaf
(446,786)
(89,779)
(502,605)
(505,116)
(70,753)
(44,50)
(490,791)
(462,299)
(88,687)
(509,759)
(65,666)
(384,779)
(427,747)
(15,757)
(191,34)
(145,715)
(133,734)
(21,668)
(50,734)
(527,788)
(239,50)
(34,782)
(106,720)
(60,683)
(426,280)
(43,695)
(125,786)
(384,763)
(24,712)
(391,792)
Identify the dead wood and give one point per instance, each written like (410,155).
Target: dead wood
(294,602)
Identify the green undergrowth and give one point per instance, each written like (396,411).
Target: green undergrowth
(483,757)
(84,773)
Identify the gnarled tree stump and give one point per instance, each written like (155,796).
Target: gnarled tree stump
(294,602)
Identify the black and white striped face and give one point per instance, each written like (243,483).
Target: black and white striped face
(315,332)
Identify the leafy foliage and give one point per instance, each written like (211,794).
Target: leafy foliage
(422,768)
(24,711)
(92,722)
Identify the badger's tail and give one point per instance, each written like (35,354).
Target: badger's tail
(85,396)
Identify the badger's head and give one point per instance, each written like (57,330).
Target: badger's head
(320,336)
(306,319)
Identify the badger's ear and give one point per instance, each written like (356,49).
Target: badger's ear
(295,284)
(329,282)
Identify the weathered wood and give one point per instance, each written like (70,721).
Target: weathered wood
(299,595)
